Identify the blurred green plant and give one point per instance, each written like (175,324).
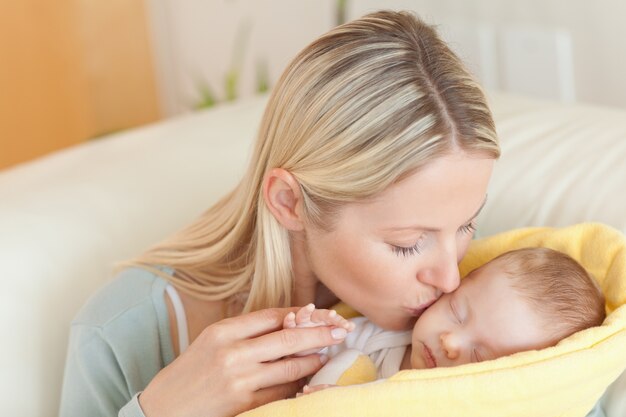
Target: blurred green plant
(340,11)
(232,78)
(262,77)
(208,98)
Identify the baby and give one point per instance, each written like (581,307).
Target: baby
(522,300)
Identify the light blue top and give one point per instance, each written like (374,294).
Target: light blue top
(118,342)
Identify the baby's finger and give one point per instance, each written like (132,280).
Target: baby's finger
(330,317)
(303,316)
(290,321)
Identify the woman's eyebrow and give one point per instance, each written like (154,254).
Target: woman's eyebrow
(432,229)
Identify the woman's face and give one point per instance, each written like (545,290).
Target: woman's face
(393,256)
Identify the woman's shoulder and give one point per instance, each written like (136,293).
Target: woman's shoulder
(132,289)
(118,341)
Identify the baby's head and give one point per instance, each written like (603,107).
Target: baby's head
(525,299)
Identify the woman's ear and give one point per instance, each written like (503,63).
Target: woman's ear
(283,197)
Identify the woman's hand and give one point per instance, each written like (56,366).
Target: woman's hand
(235,365)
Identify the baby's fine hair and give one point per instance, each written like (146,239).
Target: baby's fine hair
(560,289)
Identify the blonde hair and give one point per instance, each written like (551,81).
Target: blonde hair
(360,108)
(565,295)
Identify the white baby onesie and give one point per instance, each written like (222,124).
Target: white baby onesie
(385,348)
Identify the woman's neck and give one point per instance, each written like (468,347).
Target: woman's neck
(307,288)
(324,298)
(315,293)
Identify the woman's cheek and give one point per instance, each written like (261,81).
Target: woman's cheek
(374,267)
(462,246)
(371,262)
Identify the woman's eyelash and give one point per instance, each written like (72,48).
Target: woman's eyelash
(406,252)
(468,228)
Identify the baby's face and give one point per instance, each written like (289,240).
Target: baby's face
(483,319)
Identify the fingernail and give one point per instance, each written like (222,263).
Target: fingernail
(323,359)
(305,388)
(338,333)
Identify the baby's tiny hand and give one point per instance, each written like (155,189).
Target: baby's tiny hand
(309,316)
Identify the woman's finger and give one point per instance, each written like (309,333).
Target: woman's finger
(252,324)
(290,341)
(286,370)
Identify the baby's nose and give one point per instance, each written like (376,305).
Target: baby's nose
(449,346)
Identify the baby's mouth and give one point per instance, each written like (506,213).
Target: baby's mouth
(428,356)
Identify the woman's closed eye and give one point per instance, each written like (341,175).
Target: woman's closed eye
(416,249)
(407,251)
(468,228)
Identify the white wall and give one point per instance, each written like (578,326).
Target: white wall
(570,50)
(195,41)
(596,32)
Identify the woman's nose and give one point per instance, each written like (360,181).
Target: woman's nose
(448,279)
(450,345)
(444,273)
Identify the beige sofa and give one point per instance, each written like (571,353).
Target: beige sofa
(66,218)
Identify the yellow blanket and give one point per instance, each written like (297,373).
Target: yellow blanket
(565,380)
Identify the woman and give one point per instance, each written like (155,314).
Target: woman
(372,162)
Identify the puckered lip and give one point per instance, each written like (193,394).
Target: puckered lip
(429,358)
(417,311)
